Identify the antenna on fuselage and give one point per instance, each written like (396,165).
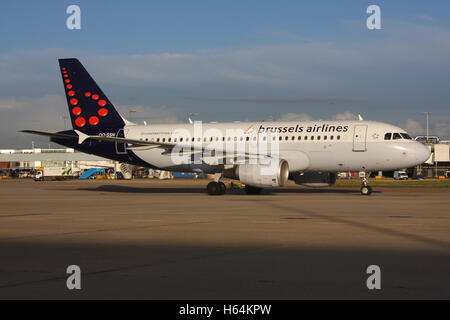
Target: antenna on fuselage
(360,118)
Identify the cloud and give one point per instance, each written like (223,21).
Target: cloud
(347,115)
(295,117)
(280,100)
(50,113)
(151,115)
(425,17)
(442,130)
(405,63)
(413,127)
(306,117)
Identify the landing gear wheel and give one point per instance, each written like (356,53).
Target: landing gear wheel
(213,188)
(366,190)
(252,190)
(216,188)
(223,188)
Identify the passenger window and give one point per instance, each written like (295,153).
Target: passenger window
(306,137)
(164,140)
(281,138)
(331,137)
(388,136)
(312,137)
(264,138)
(286,138)
(170,139)
(247,138)
(338,137)
(318,137)
(299,138)
(293,138)
(397,136)
(324,137)
(181,139)
(157,140)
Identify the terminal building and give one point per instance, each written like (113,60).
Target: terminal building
(22,161)
(438,165)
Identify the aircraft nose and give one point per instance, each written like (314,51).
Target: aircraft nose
(420,152)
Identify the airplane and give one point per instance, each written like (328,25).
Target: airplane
(259,154)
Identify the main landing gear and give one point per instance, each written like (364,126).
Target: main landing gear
(216,188)
(366,190)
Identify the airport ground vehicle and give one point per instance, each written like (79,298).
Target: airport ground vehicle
(51,173)
(92,173)
(400,175)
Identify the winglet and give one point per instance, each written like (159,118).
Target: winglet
(81,136)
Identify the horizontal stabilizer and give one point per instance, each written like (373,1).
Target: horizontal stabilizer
(51,134)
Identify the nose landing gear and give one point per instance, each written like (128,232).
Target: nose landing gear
(365,190)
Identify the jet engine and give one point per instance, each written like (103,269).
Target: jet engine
(274,173)
(314,179)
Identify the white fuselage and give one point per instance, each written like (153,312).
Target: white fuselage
(329,146)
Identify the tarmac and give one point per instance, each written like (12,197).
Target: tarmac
(153,239)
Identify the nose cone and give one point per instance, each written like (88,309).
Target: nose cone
(419,152)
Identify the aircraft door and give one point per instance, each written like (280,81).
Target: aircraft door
(359,138)
(121,148)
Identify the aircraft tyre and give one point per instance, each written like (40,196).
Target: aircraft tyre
(366,190)
(215,188)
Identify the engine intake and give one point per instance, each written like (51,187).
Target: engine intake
(273,174)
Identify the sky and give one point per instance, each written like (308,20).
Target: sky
(227,61)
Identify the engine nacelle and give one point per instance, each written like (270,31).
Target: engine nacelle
(315,179)
(273,174)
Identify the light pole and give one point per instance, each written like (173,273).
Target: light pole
(428,115)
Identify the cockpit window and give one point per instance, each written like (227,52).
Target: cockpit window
(405,136)
(388,136)
(396,136)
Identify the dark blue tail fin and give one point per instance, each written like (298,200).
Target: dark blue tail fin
(90,110)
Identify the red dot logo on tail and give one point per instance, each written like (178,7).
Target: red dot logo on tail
(80,122)
(103,112)
(93,120)
(76,111)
